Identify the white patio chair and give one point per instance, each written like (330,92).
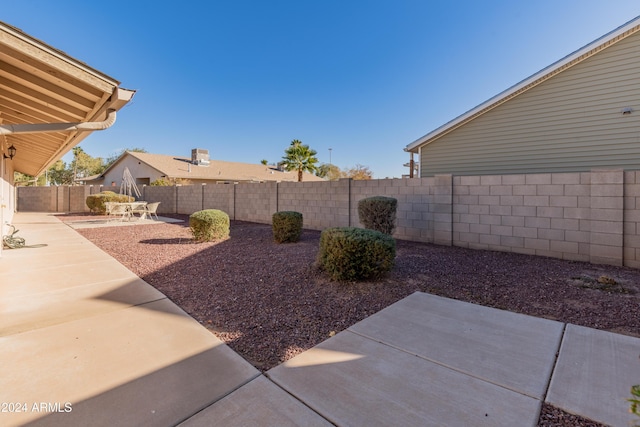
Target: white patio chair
(152,208)
(139,208)
(108,206)
(121,210)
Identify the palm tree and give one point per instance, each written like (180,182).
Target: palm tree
(300,157)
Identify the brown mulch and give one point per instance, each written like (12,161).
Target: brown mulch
(268,302)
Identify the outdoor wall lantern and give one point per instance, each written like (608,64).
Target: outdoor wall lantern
(12,152)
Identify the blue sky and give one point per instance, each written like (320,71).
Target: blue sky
(364,77)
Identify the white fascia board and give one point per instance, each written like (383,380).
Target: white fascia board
(39,44)
(540,75)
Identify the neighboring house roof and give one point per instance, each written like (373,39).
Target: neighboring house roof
(217,170)
(568,61)
(87,178)
(42,85)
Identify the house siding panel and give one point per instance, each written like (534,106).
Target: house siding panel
(141,172)
(571,122)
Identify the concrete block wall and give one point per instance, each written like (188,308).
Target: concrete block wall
(441,209)
(322,204)
(606,220)
(415,214)
(37,199)
(573,216)
(167,196)
(94,189)
(588,216)
(189,198)
(529,214)
(220,196)
(256,202)
(62,199)
(631,228)
(78,198)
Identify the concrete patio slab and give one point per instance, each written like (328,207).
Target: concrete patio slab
(259,403)
(508,349)
(42,258)
(60,275)
(594,375)
(56,238)
(38,310)
(352,380)
(34,226)
(45,237)
(145,365)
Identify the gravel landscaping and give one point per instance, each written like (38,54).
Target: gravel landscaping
(268,302)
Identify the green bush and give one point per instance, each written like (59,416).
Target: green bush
(160,182)
(350,253)
(209,224)
(635,402)
(378,213)
(287,226)
(96,202)
(164,182)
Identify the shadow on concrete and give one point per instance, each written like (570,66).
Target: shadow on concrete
(164,397)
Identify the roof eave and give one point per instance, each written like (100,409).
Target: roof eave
(119,98)
(19,34)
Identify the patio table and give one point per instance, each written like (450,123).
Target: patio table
(130,208)
(139,208)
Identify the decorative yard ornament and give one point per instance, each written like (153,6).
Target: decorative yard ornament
(128,185)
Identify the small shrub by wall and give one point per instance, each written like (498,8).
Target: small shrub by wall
(209,224)
(378,213)
(350,253)
(287,226)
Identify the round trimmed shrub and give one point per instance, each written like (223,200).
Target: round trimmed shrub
(209,224)
(287,226)
(96,202)
(350,253)
(378,213)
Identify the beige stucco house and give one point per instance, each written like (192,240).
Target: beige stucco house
(146,168)
(49,102)
(580,113)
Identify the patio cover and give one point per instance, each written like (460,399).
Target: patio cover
(40,84)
